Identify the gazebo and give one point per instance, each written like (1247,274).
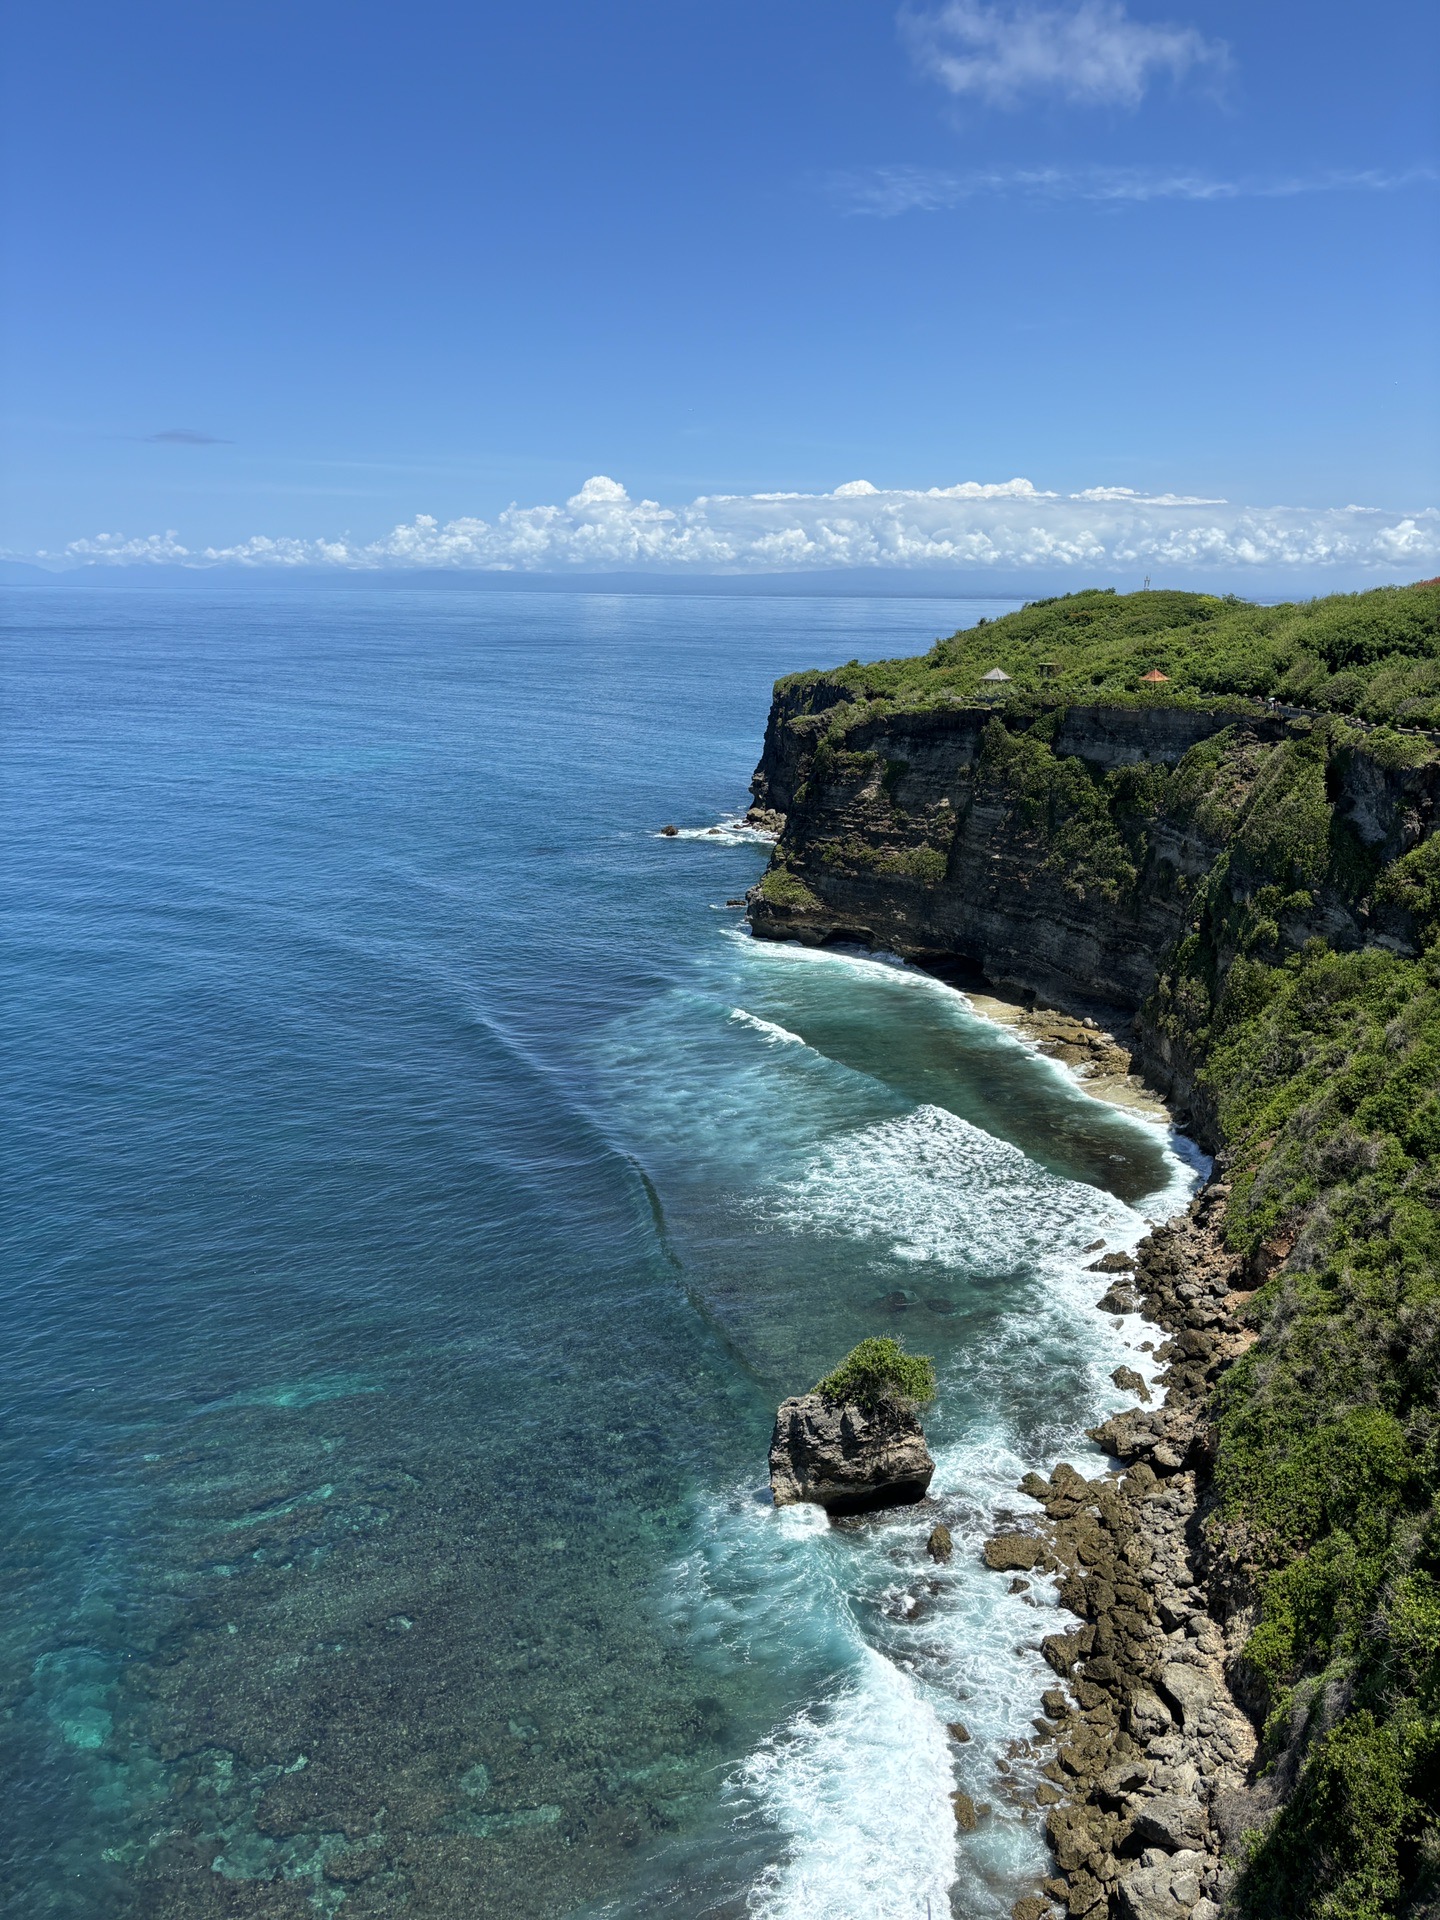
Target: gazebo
(994,676)
(1153,678)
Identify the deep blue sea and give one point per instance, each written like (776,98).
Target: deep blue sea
(419,1192)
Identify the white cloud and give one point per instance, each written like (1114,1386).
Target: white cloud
(984,527)
(1093,54)
(888,191)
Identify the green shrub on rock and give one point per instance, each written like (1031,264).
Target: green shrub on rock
(878,1371)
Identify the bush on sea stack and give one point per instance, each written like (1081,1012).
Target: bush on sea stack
(879,1372)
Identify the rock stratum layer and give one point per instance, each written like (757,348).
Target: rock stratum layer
(1249,895)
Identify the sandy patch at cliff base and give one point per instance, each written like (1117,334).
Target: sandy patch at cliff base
(1099,1061)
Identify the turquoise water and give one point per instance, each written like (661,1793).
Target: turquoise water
(420,1190)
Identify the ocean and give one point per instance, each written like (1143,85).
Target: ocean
(420,1190)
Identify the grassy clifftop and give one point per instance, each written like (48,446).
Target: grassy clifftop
(1372,655)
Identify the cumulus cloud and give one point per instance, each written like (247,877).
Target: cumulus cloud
(1004,526)
(888,191)
(1093,54)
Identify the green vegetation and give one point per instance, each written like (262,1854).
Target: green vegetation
(782,888)
(1064,807)
(1375,655)
(880,1371)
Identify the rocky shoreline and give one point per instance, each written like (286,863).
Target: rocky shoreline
(1143,1757)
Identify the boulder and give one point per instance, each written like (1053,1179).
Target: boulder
(1189,1689)
(847,1459)
(1161,1889)
(1169,1820)
(940,1546)
(1011,1552)
(1149,1715)
(1129,1381)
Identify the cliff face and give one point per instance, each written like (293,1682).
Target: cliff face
(1064,854)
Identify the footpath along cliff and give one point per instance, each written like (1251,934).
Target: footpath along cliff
(1209,827)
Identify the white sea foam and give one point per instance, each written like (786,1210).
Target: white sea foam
(937,1188)
(772,1031)
(860,1788)
(853,1790)
(729,831)
(889,971)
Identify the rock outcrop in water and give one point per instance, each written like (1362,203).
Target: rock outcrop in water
(846,1458)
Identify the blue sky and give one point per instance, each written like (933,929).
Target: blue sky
(299,273)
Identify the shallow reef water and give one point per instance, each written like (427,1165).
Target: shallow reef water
(420,1191)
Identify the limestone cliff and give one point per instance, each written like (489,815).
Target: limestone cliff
(1061,853)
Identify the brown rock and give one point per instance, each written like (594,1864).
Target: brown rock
(957,1730)
(1062,1650)
(1012,1552)
(964,1811)
(767,819)
(1078,1835)
(1129,1381)
(1086,1894)
(847,1459)
(939,1546)
(1119,1299)
(670,832)
(1032,1907)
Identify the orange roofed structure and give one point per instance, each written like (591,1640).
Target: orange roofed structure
(1153,677)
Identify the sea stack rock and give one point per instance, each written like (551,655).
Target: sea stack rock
(847,1458)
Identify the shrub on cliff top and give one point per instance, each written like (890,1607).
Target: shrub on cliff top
(879,1370)
(1373,654)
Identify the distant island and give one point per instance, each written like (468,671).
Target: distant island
(1212,826)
